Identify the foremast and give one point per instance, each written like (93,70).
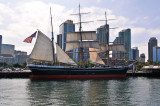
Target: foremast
(53,48)
(44,49)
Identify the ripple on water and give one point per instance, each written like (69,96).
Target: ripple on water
(131,92)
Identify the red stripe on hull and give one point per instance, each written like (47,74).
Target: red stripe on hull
(76,76)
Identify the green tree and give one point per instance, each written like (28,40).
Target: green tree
(125,60)
(89,64)
(3,64)
(139,65)
(17,65)
(150,62)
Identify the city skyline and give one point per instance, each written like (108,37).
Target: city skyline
(19,19)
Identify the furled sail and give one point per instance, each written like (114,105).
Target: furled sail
(114,47)
(89,40)
(117,47)
(43,48)
(94,57)
(63,57)
(86,44)
(86,35)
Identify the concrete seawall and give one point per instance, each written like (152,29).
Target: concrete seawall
(15,74)
(143,74)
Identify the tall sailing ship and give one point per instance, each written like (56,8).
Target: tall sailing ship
(44,50)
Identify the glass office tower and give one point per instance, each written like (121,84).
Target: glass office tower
(123,38)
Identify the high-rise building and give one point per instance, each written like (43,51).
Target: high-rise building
(7,53)
(59,40)
(7,49)
(152,42)
(142,57)
(156,54)
(103,37)
(20,57)
(103,34)
(0,43)
(134,53)
(67,26)
(116,54)
(125,39)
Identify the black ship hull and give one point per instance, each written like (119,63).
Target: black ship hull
(59,72)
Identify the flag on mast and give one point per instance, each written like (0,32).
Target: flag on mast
(29,39)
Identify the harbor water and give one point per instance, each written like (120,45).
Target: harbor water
(132,91)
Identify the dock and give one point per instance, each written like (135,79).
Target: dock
(143,74)
(15,74)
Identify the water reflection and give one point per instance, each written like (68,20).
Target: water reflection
(89,92)
(130,92)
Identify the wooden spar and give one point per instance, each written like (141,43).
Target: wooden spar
(112,44)
(80,52)
(80,30)
(54,60)
(106,33)
(91,51)
(81,43)
(107,44)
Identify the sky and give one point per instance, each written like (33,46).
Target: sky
(20,18)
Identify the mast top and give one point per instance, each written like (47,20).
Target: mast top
(80,31)
(51,25)
(106,17)
(54,59)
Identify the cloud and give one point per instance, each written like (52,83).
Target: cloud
(138,31)
(26,17)
(98,1)
(141,36)
(21,20)
(155,32)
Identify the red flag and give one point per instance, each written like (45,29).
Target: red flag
(29,39)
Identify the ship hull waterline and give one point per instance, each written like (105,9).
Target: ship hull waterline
(57,73)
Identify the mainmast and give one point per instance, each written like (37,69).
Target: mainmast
(54,59)
(80,31)
(81,43)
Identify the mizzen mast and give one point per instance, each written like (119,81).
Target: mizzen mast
(107,39)
(107,43)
